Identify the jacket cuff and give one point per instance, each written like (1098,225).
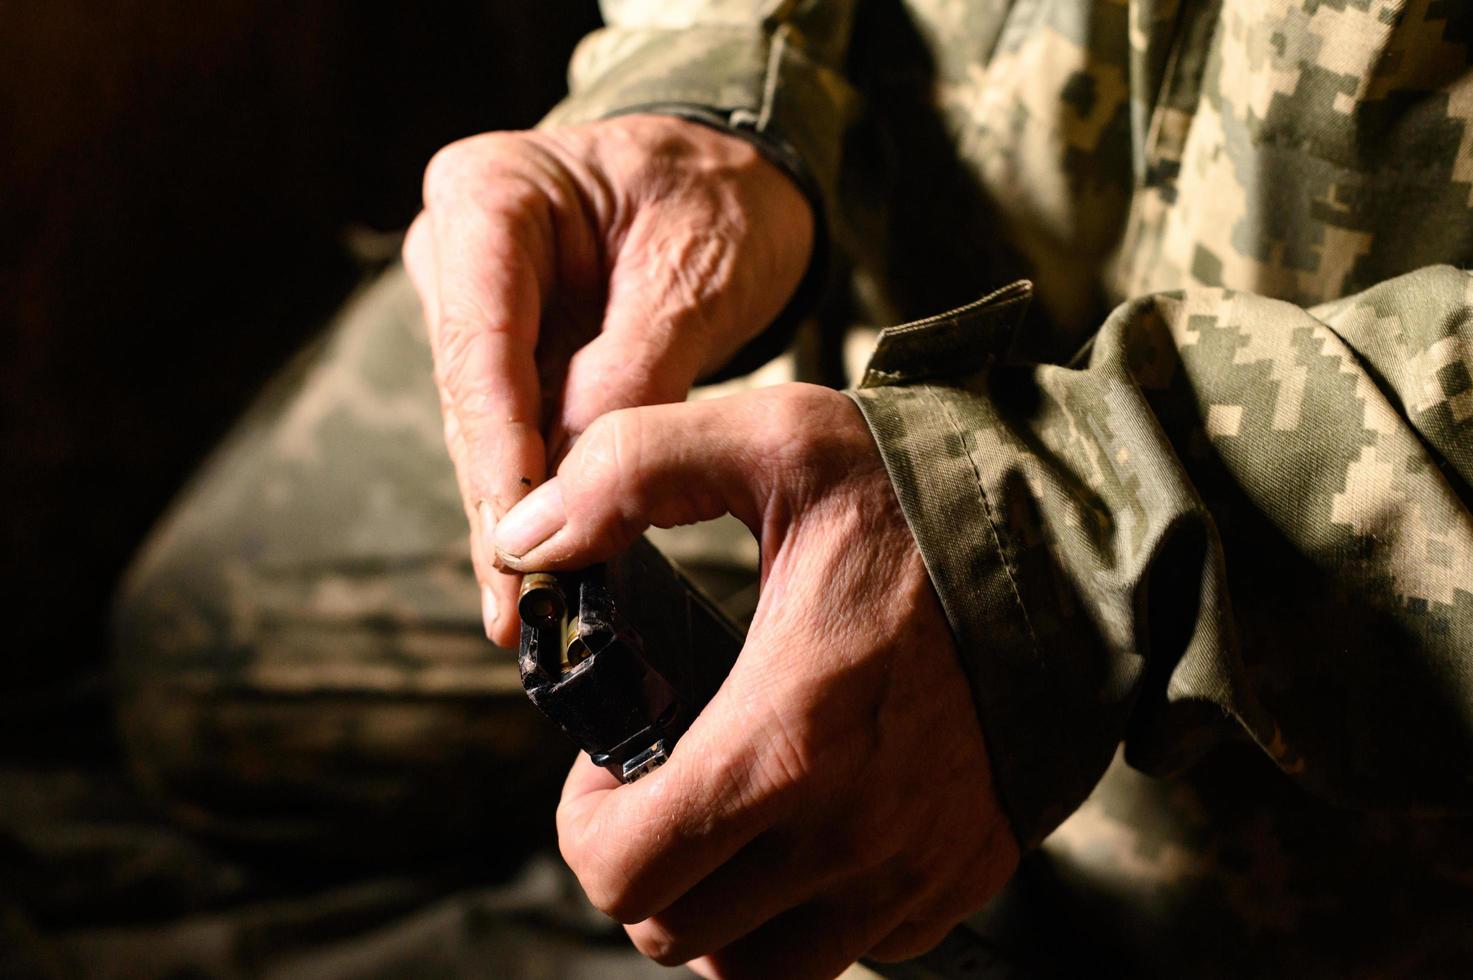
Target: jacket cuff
(927,429)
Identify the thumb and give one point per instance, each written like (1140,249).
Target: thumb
(660,465)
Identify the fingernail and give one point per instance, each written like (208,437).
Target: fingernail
(488,610)
(488,527)
(531,522)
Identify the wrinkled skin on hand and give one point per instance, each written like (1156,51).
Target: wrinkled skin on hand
(568,272)
(834,799)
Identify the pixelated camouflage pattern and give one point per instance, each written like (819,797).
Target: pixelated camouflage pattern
(1231,516)
(1231,871)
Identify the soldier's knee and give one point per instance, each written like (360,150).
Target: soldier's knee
(257,722)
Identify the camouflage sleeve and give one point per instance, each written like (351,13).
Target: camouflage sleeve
(1230,518)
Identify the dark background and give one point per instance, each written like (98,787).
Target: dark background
(186,193)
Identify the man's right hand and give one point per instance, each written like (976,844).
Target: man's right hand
(569,272)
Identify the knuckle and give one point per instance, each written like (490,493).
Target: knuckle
(875,836)
(610,447)
(492,170)
(465,158)
(464,372)
(605,872)
(455,443)
(655,941)
(456,355)
(569,841)
(862,845)
(601,893)
(447,170)
(787,756)
(409,250)
(910,940)
(603,886)
(592,442)
(612,897)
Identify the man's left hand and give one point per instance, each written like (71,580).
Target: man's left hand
(834,799)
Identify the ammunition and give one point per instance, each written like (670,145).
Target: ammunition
(575,650)
(541,602)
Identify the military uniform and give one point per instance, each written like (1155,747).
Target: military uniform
(1233,517)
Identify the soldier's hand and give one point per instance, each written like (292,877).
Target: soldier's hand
(568,272)
(834,799)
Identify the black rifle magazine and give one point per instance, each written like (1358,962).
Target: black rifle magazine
(622,656)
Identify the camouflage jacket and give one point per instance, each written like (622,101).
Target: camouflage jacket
(1240,508)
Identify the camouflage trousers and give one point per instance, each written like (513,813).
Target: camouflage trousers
(301,665)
